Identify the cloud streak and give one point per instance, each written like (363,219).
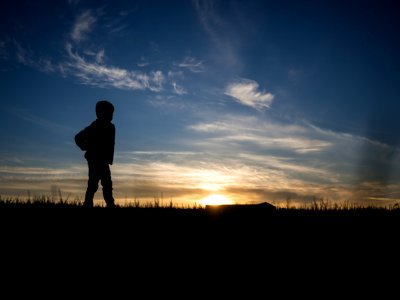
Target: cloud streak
(91,70)
(97,74)
(178,89)
(90,66)
(246,92)
(26,58)
(301,159)
(218,31)
(243,174)
(192,64)
(82,26)
(247,132)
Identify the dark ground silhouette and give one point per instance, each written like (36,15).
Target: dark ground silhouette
(200,249)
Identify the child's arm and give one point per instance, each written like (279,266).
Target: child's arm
(81,139)
(112,145)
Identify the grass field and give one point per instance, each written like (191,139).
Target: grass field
(258,219)
(321,247)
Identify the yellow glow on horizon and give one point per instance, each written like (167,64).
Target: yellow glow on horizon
(210,186)
(216,199)
(212,181)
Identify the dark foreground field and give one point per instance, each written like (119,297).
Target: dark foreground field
(209,227)
(184,246)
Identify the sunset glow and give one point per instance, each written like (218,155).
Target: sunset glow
(216,199)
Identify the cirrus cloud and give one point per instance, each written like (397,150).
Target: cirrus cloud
(83,25)
(246,92)
(97,74)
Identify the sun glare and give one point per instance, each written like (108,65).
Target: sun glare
(216,199)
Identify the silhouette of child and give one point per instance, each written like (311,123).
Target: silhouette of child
(98,140)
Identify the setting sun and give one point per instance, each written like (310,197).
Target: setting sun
(216,199)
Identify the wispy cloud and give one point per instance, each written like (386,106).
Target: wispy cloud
(218,30)
(92,67)
(20,181)
(205,172)
(171,104)
(143,62)
(244,175)
(267,135)
(83,25)
(306,159)
(11,159)
(26,58)
(246,92)
(50,126)
(33,171)
(100,57)
(191,63)
(97,74)
(178,89)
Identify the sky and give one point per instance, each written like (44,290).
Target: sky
(286,102)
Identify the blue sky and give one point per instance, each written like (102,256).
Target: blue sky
(250,100)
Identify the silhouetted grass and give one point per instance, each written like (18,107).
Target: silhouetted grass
(188,241)
(316,205)
(261,215)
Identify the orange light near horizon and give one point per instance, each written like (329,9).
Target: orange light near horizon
(209,180)
(216,199)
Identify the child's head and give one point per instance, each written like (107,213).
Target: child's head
(104,110)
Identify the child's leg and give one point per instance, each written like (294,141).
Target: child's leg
(106,182)
(93,184)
